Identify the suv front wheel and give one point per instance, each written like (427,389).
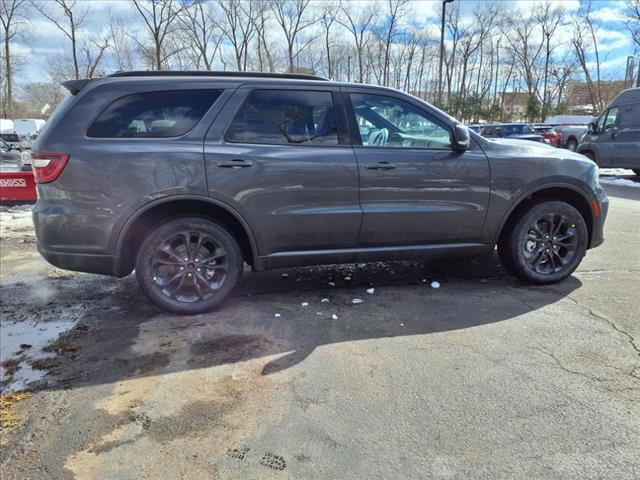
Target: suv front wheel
(189,265)
(546,244)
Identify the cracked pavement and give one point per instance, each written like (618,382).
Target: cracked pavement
(482,378)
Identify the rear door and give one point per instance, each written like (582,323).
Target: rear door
(280,156)
(414,187)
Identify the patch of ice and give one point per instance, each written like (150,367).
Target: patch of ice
(36,334)
(325,300)
(625,182)
(305,304)
(334,316)
(285,275)
(370,290)
(347,278)
(435,284)
(332,284)
(277,315)
(356,300)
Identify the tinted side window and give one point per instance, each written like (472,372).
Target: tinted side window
(388,122)
(280,117)
(154,114)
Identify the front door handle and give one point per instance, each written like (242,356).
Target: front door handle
(237,163)
(381,166)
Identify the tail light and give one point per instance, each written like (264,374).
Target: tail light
(48,166)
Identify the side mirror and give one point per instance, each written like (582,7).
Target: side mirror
(461,138)
(592,128)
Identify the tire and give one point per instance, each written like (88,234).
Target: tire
(178,276)
(572,144)
(524,245)
(589,154)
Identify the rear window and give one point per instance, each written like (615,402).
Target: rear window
(153,114)
(10,137)
(279,117)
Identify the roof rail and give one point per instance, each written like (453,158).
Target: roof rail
(211,73)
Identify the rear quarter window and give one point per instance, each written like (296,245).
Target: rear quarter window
(153,114)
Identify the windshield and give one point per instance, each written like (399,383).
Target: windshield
(4,145)
(516,129)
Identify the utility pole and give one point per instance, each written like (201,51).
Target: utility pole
(444,3)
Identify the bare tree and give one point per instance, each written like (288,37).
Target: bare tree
(203,35)
(359,24)
(584,43)
(122,46)
(266,59)
(73,20)
(13,20)
(238,26)
(293,18)
(160,17)
(549,19)
(389,30)
(327,19)
(633,22)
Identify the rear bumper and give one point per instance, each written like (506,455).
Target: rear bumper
(80,262)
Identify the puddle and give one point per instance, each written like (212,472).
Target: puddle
(36,334)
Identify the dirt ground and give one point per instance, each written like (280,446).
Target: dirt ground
(483,377)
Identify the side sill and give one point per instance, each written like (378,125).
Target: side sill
(370,254)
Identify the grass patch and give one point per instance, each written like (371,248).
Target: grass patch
(8,419)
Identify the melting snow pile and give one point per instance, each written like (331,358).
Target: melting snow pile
(15,221)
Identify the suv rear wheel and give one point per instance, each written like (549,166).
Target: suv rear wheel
(189,265)
(572,144)
(546,244)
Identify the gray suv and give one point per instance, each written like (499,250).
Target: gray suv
(185,177)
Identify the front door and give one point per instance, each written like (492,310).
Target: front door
(282,159)
(414,187)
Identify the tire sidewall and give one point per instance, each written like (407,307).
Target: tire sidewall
(144,272)
(520,230)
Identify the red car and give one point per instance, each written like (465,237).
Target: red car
(550,135)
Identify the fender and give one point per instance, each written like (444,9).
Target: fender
(172,198)
(578,187)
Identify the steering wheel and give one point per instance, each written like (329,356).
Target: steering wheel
(380,137)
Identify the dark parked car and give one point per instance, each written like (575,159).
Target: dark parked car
(185,176)
(516,131)
(12,139)
(10,158)
(613,141)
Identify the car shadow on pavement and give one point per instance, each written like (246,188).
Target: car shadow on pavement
(281,317)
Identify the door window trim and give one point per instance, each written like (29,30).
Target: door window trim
(338,107)
(355,132)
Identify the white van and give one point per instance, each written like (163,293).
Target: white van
(6,125)
(28,127)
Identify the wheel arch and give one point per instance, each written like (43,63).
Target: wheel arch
(142,221)
(568,193)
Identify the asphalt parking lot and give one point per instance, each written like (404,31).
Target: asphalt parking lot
(483,377)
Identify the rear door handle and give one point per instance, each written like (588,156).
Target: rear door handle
(237,163)
(381,166)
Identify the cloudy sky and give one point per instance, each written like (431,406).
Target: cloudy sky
(44,40)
